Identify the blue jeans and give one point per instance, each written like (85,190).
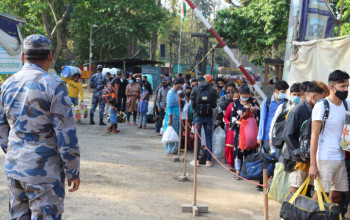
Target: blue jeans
(265,148)
(74,101)
(207,123)
(143,118)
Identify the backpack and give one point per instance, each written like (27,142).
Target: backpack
(254,165)
(108,93)
(268,103)
(204,105)
(305,130)
(278,127)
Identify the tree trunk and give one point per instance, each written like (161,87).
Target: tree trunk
(57,50)
(153,46)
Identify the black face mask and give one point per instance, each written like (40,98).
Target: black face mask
(342,95)
(188,94)
(164,86)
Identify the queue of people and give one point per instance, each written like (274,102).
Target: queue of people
(323,106)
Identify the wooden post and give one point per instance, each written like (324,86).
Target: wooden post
(186,142)
(180,127)
(195,166)
(266,200)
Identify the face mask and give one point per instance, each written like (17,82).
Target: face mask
(295,99)
(131,81)
(188,94)
(281,95)
(164,86)
(244,99)
(121,80)
(179,92)
(138,80)
(342,95)
(143,88)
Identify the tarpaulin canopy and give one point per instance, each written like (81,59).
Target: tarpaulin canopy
(316,59)
(10,36)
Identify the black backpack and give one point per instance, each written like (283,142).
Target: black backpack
(204,105)
(305,130)
(277,131)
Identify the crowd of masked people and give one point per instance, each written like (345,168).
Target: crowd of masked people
(300,125)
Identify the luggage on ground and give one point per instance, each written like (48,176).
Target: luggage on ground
(219,143)
(152,117)
(279,187)
(298,206)
(254,164)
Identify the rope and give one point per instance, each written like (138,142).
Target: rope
(265,186)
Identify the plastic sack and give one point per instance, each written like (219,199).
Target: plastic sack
(70,71)
(248,134)
(170,135)
(219,138)
(279,187)
(80,111)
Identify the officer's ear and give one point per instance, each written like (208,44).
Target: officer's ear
(22,56)
(49,57)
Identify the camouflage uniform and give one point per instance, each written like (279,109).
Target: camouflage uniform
(97,82)
(38,135)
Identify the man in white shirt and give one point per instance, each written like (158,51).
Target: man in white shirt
(327,160)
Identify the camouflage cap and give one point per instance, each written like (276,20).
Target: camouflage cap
(36,42)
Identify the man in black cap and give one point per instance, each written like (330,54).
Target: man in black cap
(97,82)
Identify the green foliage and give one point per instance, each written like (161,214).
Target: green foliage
(258,29)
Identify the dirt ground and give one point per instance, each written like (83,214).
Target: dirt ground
(127,176)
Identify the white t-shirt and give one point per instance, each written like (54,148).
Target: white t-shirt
(329,140)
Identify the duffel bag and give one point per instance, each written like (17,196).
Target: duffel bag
(298,206)
(254,164)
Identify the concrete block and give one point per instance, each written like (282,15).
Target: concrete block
(187,208)
(182,178)
(195,211)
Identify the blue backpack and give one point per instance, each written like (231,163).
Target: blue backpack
(254,165)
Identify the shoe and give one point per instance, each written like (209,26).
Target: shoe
(139,127)
(232,169)
(259,188)
(192,163)
(144,127)
(107,131)
(129,124)
(92,122)
(134,124)
(101,122)
(208,164)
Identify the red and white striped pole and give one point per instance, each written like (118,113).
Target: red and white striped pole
(226,48)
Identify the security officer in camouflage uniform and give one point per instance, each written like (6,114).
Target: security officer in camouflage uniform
(38,136)
(97,82)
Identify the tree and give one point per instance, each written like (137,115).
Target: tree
(258,29)
(124,26)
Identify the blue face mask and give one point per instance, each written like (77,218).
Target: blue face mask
(295,99)
(281,96)
(143,88)
(131,81)
(244,99)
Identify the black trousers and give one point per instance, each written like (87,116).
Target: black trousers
(160,119)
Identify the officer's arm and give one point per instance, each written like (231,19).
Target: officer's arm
(63,124)
(4,129)
(92,83)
